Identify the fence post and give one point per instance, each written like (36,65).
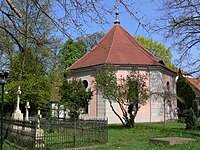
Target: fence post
(106,130)
(39,133)
(74,132)
(2,105)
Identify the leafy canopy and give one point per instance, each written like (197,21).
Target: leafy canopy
(71,52)
(184,91)
(74,96)
(29,74)
(157,49)
(27,51)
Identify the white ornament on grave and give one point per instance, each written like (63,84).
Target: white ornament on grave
(17,115)
(26,117)
(39,117)
(27,107)
(18,100)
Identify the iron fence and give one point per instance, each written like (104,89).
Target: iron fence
(56,134)
(20,133)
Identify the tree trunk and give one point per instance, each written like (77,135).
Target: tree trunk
(117,114)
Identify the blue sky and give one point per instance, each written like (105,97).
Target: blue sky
(145,10)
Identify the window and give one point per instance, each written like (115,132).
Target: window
(168,85)
(85,83)
(85,109)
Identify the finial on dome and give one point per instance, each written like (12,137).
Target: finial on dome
(117,16)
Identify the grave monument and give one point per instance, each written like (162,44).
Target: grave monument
(17,115)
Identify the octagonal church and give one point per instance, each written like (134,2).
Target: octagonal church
(120,49)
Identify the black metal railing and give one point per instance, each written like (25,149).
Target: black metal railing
(54,134)
(19,133)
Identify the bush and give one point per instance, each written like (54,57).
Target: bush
(190,119)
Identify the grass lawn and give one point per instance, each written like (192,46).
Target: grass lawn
(138,138)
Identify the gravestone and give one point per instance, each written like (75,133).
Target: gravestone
(27,117)
(171,140)
(17,115)
(27,107)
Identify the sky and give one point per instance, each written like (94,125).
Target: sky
(147,11)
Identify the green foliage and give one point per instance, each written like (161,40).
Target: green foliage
(187,95)
(29,74)
(129,91)
(56,79)
(28,48)
(106,82)
(158,50)
(190,119)
(74,96)
(184,91)
(70,53)
(132,94)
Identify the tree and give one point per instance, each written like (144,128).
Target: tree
(128,92)
(159,50)
(35,86)
(190,119)
(6,50)
(74,96)
(185,94)
(71,52)
(181,23)
(29,56)
(67,16)
(91,40)
(33,31)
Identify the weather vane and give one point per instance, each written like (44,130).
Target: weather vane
(117,14)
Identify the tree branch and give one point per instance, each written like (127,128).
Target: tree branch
(10,3)
(15,39)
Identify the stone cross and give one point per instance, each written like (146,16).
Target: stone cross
(27,107)
(39,117)
(18,99)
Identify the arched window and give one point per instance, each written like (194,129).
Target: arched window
(168,85)
(85,109)
(85,83)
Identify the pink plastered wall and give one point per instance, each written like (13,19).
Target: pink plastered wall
(144,110)
(144,113)
(93,102)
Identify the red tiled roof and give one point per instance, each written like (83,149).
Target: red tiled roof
(117,47)
(195,82)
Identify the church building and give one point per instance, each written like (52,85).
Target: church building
(119,48)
